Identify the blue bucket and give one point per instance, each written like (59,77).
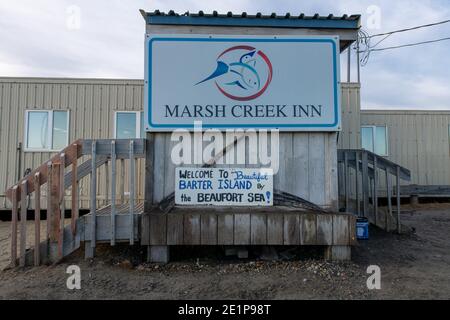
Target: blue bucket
(362,228)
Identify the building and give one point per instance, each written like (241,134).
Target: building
(416,139)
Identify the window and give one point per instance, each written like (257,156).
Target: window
(129,125)
(46,130)
(374,138)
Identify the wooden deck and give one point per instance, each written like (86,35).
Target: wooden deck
(247,226)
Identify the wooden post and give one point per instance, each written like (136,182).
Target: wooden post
(365,183)
(397,177)
(113,192)
(55,217)
(389,199)
(62,205)
(132,193)
(49,205)
(358,204)
(148,189)
(346,183)
(75,191)
(105,201)
(37,218)
(23,223)
(375,186)
(14,216)
(122,181)
(93,202)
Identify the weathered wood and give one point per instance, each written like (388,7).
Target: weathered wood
(316,168)
(291,232)
(89,250)
(113,193)
(49,202)
(174,229)
(208,229)
(340,232)
(106,198)
(23,223)
(72,151)
(75,191)
(383,163)
(158,228)
(225,229)
(324,229)
(424,190)
(346,181)
(365,184)
(62,205)
(122,147)
(148,187)
(338,253)
(83,170)
(352,230)
(103,230)
(14,218)
(93,202)
(275,225)
(241,229)
(308,230)
(122,181)
(37,218)
(389,199)
(132,179)
(258,229)
(191,229)
(55,216)
(358,202)
(397,177)
(375,189)
(158,254)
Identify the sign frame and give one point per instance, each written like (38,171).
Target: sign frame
(239,184)
(151,126)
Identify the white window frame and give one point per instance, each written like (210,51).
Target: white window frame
(373,127)
(49,130)
(138,123)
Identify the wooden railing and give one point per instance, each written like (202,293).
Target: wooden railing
(59,238)
(359,185)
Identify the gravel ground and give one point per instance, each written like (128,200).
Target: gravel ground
(413,266)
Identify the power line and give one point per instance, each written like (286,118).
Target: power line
(409,29)
(410,44)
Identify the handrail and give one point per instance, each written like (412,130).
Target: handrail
(367,164)
(382,163)
(71,152)
(101,152)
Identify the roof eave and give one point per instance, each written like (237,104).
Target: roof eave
(314,22)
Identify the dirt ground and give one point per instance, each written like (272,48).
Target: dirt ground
(413,266)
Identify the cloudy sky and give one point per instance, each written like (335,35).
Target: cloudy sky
(104,39)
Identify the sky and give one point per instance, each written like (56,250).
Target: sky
(105,39)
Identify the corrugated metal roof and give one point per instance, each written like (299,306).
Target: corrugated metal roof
(243,19)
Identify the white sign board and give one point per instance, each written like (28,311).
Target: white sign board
(285,82)
(224,186)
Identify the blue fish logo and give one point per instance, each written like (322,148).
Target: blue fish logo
(243,73)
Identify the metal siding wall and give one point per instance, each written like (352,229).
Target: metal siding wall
(349,137)
(418,140)
(91,104)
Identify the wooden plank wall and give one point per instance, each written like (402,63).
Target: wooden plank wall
(307,166)
(265,228)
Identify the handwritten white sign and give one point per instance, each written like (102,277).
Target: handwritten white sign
(224,186)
